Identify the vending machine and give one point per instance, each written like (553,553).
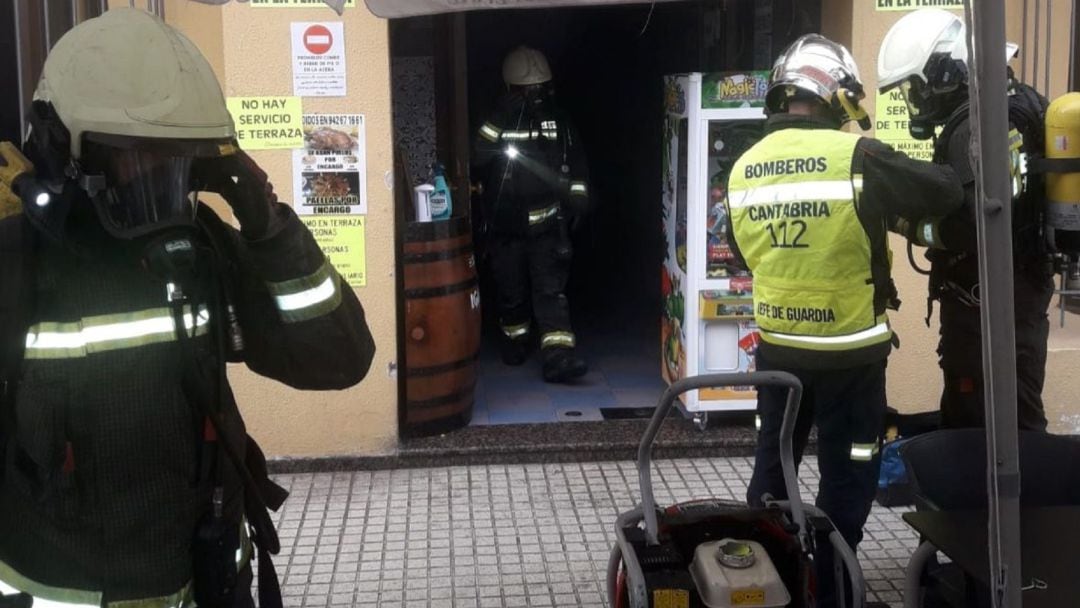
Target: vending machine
(708,320)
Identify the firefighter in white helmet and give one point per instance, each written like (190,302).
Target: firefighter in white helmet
(128,477)
(924,56)
(809,207)
(536,187)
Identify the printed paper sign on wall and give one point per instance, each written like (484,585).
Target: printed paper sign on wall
(911,5)
(318,51)
(267,123)
(342,240)
(891,126)
(330,173)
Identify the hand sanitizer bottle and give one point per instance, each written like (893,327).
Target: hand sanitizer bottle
(441,205)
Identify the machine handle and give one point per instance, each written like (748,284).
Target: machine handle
(787,435)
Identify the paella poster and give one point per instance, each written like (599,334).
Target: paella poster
(341,238)
(329,173)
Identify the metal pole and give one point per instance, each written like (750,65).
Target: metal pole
(993,220)
(47,21)
(1049,45)
(20,71)
(1024,46)
(1035,45)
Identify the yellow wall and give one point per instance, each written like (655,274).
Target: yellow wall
(914,377)
(250,50)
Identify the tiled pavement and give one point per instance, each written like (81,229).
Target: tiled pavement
(501,535)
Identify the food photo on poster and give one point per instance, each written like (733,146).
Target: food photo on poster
(329,172)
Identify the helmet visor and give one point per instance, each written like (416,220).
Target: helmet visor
(147,183)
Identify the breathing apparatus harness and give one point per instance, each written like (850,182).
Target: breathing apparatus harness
(174,257)
(946,88)
(511,152)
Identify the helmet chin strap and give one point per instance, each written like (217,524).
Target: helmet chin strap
(92,184)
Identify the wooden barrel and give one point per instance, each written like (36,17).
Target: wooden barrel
(442,326)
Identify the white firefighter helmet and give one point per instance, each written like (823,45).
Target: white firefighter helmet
(925,55)
(141,106)
(917,43)
(525,66)
(817,68)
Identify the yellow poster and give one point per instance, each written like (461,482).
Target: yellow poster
(267,123)
(341,238)
(911,5)
(295,3)
(891,126)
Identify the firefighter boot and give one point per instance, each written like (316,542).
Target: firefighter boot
(562,365)
(514,351)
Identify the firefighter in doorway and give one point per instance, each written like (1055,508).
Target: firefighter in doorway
(925,56)
(535,192)
(809,206)
(128,476)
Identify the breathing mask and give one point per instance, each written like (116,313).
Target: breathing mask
(141,186)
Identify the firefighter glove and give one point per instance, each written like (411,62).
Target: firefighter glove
(247,190)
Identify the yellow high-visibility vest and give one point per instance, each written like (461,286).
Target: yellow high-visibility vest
(793,200)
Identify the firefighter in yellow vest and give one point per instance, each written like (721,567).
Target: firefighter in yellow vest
(810,207)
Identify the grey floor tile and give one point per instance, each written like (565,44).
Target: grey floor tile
(502,535)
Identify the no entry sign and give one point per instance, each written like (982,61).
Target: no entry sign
(318,59)
(318,39)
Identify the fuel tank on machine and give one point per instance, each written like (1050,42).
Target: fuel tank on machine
(730,573)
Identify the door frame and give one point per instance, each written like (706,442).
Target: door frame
(452,145)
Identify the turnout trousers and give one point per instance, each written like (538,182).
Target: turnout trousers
(530,273)
(848,408)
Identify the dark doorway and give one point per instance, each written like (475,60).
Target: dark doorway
(28,30)
(10,129)
(608,64)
